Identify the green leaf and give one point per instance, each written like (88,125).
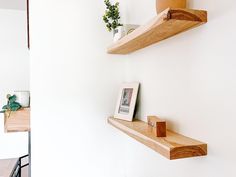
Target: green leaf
(5,107)
(12,98)
(112,15)
(15,106)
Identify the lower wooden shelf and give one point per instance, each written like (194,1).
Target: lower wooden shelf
(173,146)
(19,121)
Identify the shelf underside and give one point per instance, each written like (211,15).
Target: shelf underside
(173,146)
(166,24)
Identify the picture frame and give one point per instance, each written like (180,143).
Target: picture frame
(126,101)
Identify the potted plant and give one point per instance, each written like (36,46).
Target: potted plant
(112,17)
(11,105)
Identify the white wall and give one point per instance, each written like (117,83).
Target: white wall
(74,86)
(188,79)
(14,74)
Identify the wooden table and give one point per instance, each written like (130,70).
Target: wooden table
(18,121)
(7,166)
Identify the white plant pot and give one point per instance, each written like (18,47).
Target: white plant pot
(23,97)
(117,33)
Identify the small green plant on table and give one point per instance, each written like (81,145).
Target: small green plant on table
(11,105)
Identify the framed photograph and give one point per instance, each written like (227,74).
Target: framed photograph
(126,101)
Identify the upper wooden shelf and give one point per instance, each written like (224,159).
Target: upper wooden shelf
(173,146)
(166,24)
(19,121)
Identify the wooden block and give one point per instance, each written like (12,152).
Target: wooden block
(161,129)
(159,124)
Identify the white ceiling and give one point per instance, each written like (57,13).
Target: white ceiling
(13,4)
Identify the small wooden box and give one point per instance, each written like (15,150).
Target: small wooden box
(19,121)
(159,124)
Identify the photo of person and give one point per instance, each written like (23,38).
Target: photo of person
(125,100)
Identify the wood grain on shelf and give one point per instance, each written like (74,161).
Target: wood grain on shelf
(173,146)
(166,24)
(6,167)
(19,121)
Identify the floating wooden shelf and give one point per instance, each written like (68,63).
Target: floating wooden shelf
(173,146)
(19,121)
(166,24)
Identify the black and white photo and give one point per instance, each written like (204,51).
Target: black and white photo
(126,101)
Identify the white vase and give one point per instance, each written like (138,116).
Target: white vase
(23,97)
(117,33)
